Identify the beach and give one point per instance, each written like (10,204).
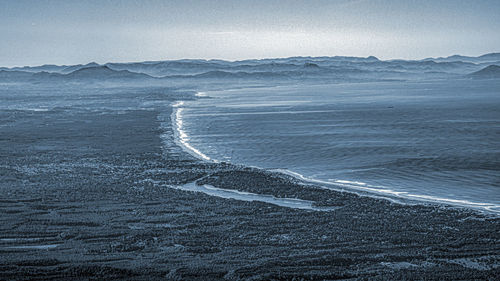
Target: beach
(94,192)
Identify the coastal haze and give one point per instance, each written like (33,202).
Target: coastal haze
(258,168)
(62,32)
(249,140)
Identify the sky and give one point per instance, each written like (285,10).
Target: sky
(71,32)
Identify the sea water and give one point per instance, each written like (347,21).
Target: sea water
(425,140)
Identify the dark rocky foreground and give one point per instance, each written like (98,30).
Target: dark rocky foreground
(84,195)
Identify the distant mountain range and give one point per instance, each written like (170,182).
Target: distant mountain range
(98,72)
(339,68)
(492,71)
(92,73)
(487,58)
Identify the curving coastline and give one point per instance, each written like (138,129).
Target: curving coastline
(97,206)
(359,188)
(181,138)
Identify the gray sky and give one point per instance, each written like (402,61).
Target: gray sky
(71,32)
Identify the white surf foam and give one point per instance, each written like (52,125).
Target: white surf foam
(181,138)
(201,94)
(247,196)
(335,184)
(34,109)
(390,194)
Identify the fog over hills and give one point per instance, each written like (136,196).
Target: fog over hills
(99,72)
(81,74)
(492,71)
(338,68)
(491,57)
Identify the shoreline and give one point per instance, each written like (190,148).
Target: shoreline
(88,198)
(400,197)
(180,136)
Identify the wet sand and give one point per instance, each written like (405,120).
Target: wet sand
(86,195)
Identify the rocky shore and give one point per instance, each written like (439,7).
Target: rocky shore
(85,195)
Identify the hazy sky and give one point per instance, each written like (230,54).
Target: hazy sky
(70,32)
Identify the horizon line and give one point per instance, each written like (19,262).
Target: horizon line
(248,59)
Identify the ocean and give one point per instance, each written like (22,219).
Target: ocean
(421,140)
